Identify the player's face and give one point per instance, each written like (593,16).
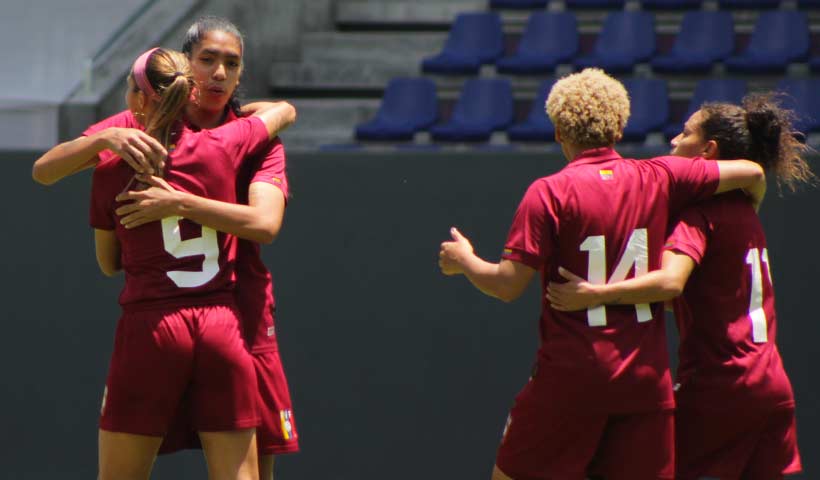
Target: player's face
(690,142)
(133,100)
(217,64)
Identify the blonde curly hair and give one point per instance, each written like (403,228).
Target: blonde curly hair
(589,108)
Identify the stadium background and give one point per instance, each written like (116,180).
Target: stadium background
(396,371)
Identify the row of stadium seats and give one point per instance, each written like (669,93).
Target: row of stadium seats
(780,37)
(649,4)
(485,105)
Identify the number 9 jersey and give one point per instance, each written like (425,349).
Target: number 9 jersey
(176,262)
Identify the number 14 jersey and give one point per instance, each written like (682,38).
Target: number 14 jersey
(605,218)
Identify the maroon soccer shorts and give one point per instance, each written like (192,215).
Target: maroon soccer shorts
(162,355)
(276,435)
(544,441)
(732,444)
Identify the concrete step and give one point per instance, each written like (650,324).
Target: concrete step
(385,14)
(327,121)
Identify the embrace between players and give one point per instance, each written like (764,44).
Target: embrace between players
(195,359)
(612,239)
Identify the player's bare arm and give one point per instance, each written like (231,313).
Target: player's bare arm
(277,116)
(141,151)
(743,174)
(259,221)
(505,280)
(656,286)
(107,247)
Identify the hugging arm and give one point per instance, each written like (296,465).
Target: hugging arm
(656,286)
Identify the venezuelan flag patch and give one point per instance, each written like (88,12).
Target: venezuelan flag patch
(507,251)
(605,174)
(286,420)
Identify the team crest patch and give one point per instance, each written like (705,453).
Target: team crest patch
(271,331)
(605,174)
(286,419)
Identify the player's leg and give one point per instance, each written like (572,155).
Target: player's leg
(775,453)
(124,456)
(499,475)
(266,467)
(224,396)
(637,447)
(150,369)
(230,455)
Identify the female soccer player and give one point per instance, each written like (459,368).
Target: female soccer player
(600,398)
(214,47)
(179,332)
(735,405)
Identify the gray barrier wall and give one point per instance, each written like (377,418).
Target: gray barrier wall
(396,371)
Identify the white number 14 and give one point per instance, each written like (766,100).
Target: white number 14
(636,253)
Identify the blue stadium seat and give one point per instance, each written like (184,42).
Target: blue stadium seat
(808,3)
(474,39)
(594,3)
(671,4)
(549,39)
(626,38)
(750,4)
(522,4)
(408,106)
(779,38)
(710,90)
(537,127)
(485,105)
(802,96)
(814,64)
(705,37)
(649,107)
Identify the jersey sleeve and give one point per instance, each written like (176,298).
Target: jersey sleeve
(690,235)
(103,186)
(242,137)
(691,180)
(530,240)
(124,119)
(272,168)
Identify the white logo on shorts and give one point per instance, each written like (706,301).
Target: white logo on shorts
(105,396)
(271,331)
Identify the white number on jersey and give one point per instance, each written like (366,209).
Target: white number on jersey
(754,258)
(206,244)
(636,253)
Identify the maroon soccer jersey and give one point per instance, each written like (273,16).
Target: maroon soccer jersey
(255,298)
(726,315)
(175,262)
(605,218)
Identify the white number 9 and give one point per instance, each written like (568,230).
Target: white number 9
(206,244)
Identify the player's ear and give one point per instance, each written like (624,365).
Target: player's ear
(711,150)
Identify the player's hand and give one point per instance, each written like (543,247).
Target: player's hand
(158,201)
(140,151)
(452,254)
(575,294)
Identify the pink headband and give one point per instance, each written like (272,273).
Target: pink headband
(139,74)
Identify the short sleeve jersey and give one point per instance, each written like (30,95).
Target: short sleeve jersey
(605,218)
(726,315)
(176,262)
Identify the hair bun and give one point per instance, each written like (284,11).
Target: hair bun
(763,124)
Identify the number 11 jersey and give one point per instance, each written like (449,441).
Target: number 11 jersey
(605,218)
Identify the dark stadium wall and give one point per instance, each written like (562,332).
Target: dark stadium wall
(396,371)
